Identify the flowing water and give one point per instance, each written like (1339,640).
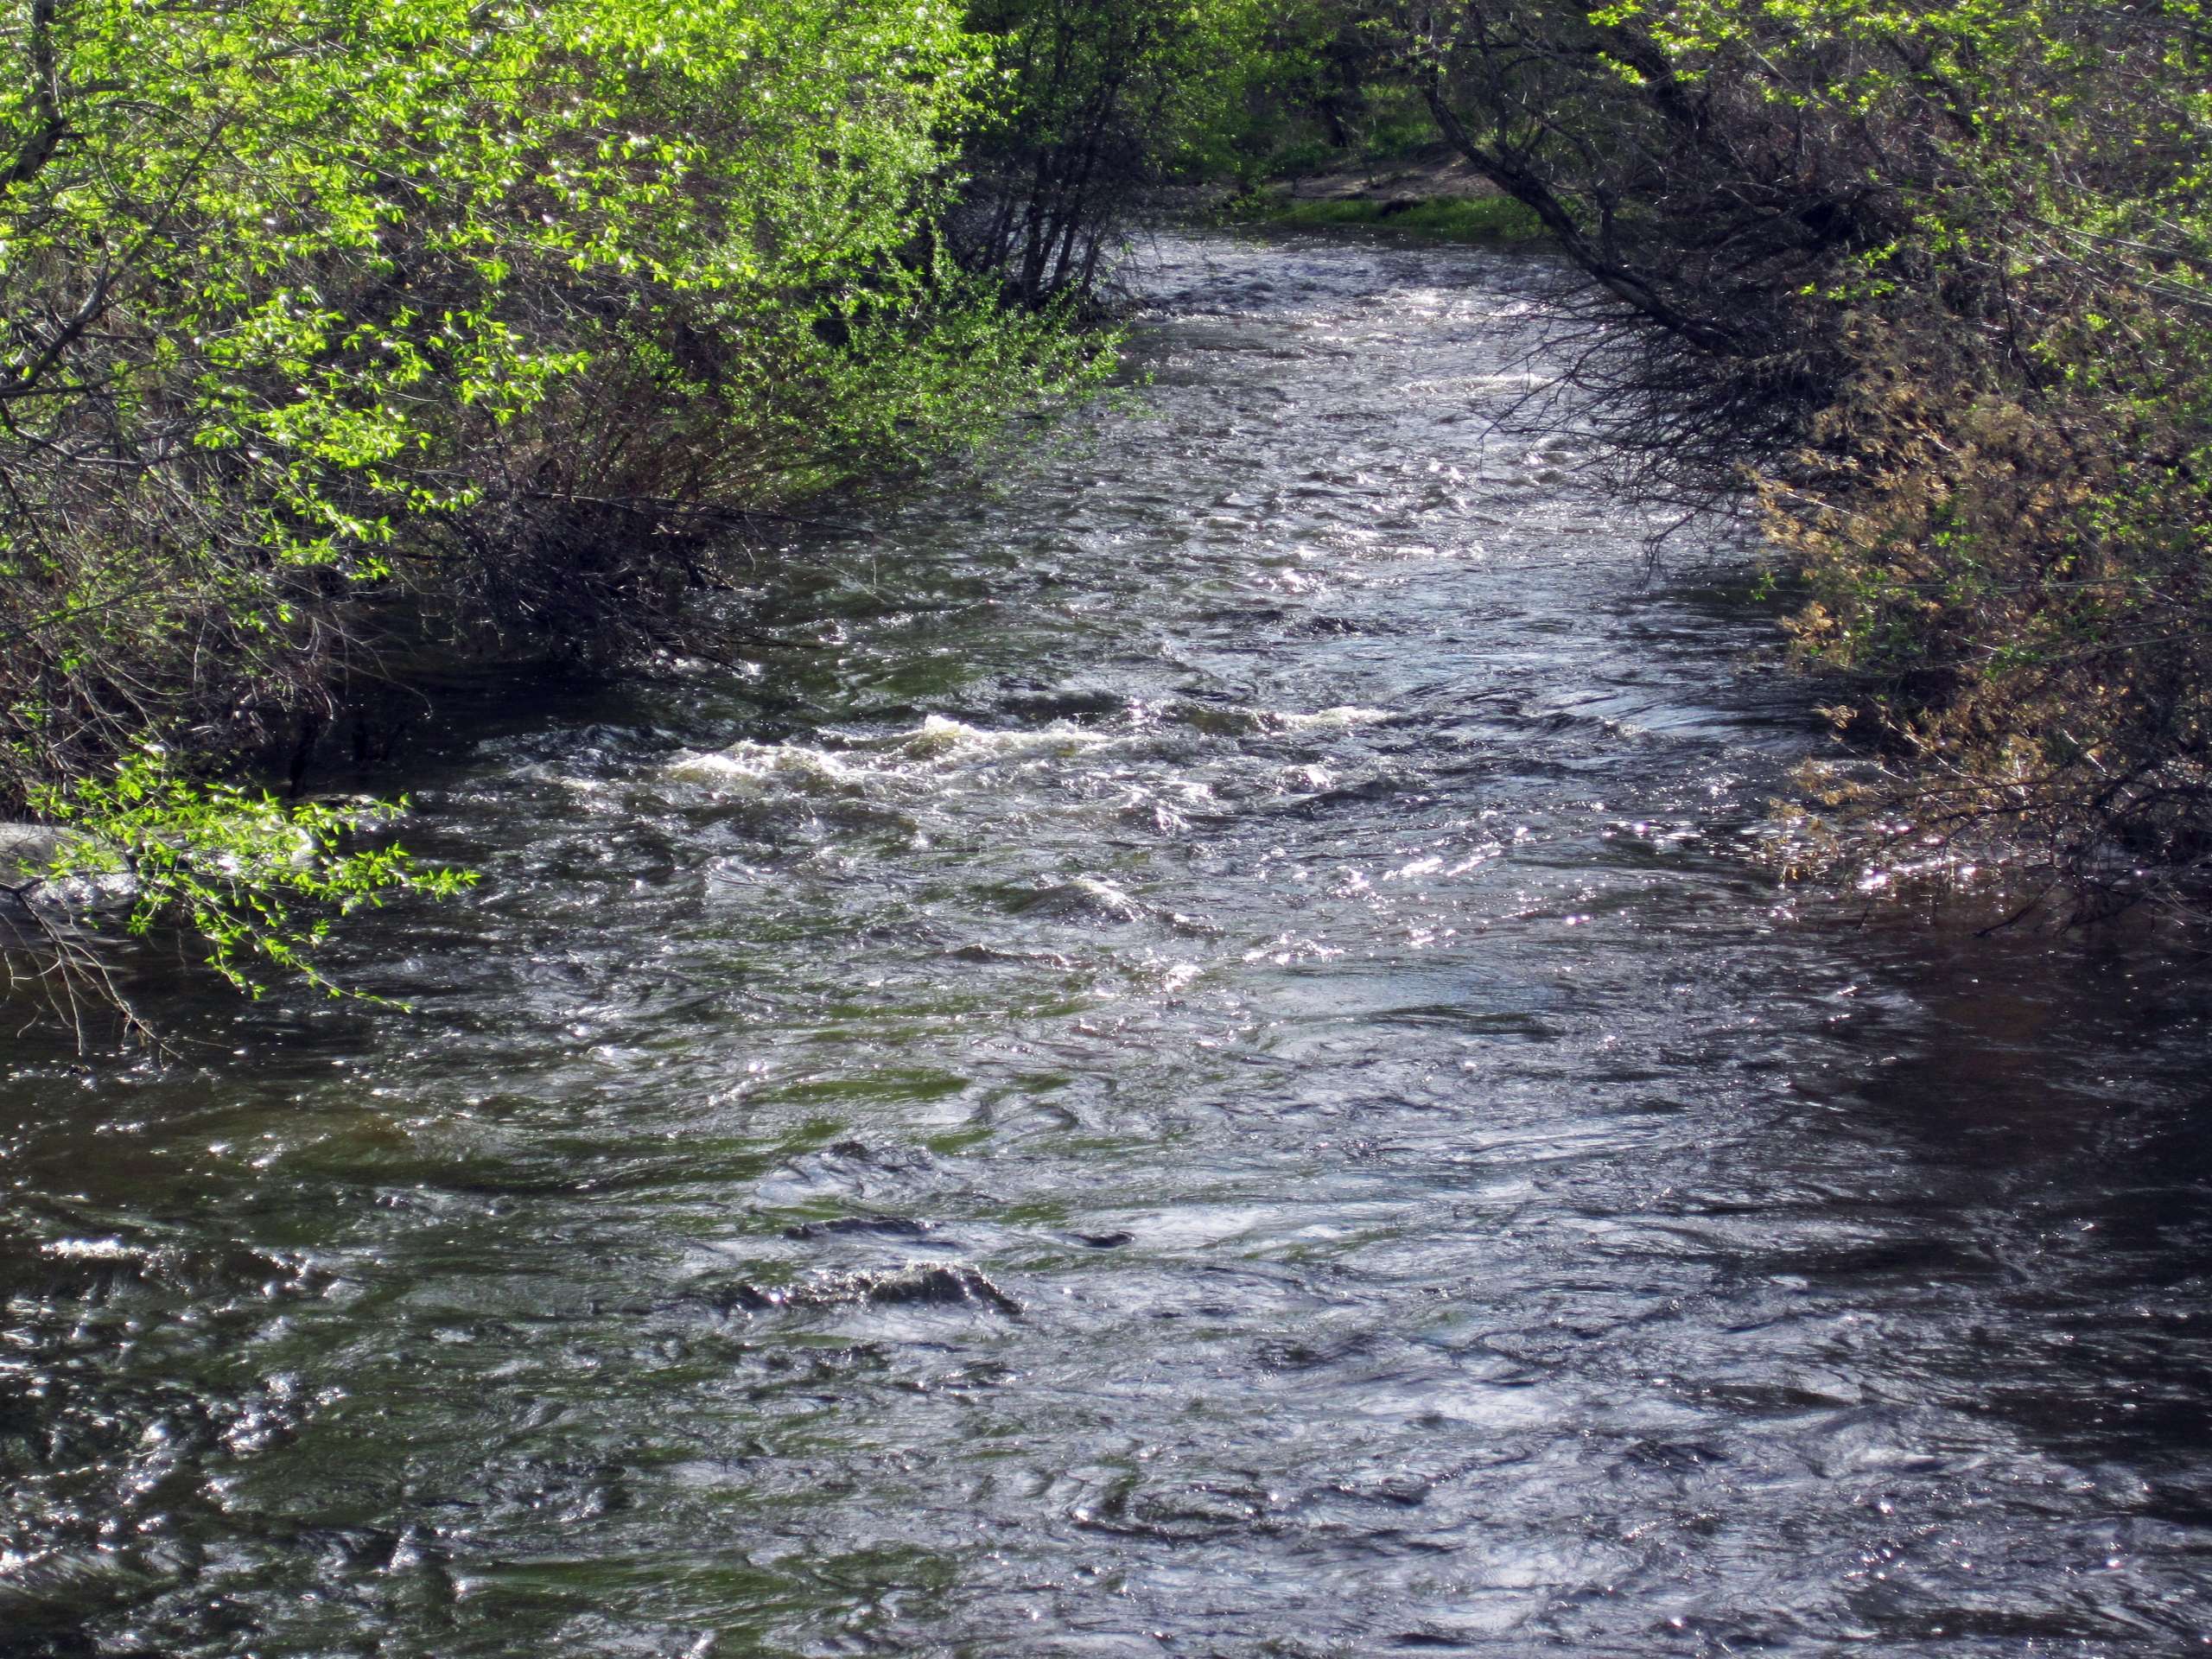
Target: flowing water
(1187,1059)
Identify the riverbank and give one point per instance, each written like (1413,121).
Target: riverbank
(1431,194)
(1496,221)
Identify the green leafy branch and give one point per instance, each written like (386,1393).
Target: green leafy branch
(257,879)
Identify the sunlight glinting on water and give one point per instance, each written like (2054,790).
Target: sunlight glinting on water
(1191,1058)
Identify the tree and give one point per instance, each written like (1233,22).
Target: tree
(1098,99)
(333,334)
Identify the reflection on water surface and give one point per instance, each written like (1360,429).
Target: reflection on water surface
(1188,1065)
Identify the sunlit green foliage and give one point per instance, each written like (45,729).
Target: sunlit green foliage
(230,863)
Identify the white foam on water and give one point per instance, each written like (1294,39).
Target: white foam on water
(861,766)
(752,768)
(90,1249)
(1339,718)
(938,738)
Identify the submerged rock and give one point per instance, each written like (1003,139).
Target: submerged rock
(26,849)
(1085,899)
(1088,900)
(940,1285)
(878,1226)
(918,1284)
(27,855)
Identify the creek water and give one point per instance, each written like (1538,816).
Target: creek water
(1187,1059)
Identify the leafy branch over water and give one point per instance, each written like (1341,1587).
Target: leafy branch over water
(258,881)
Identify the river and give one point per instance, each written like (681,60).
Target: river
(1188,1058)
